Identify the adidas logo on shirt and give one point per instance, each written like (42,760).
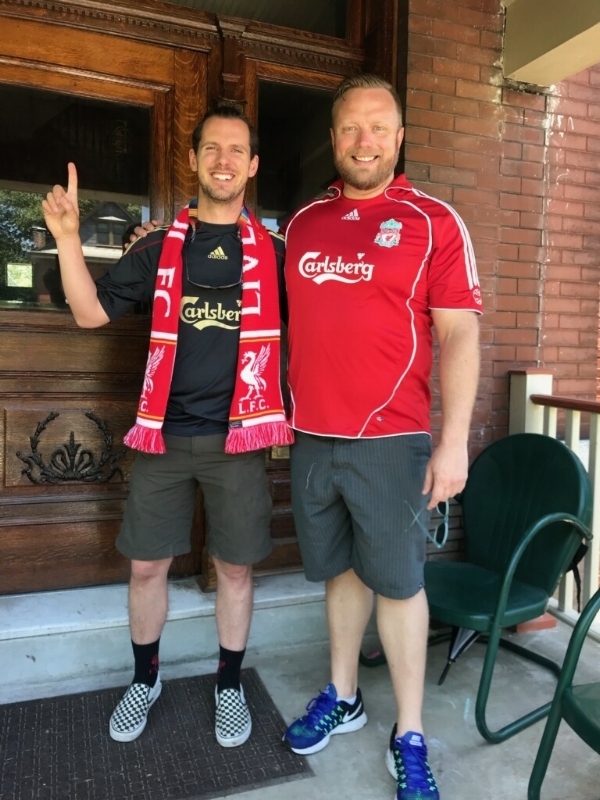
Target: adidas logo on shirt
(352,215)
(218,252)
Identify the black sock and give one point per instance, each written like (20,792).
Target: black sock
(230,664)
(146,662)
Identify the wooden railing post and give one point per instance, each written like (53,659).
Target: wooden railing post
(524,416)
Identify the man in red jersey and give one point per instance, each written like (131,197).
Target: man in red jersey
(370,268)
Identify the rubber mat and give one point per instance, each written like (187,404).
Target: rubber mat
(59,748)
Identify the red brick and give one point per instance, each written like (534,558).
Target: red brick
(569,141)
(520,202)
(586,93)
(582,193)
(506,286)
(517,236)
(526,286)
(419,63)
(566,107)
(560,305)
(591,211)
(458,33)
(560,273)
(502,183)
(591,243)
(522,336)
(416,99)
(429,155)
(560,337)
(586,160)
(501,319)
(521,168)
(532,152)
(509,252)
(455,177)
(527,320)
(478,91)
(586,226)
(480,163)
(491,40)
(418,24)
(565,209)
(432,47)
(593,110)
(577,353)
(437,84)
(518,269)
(475,197)
(455,69)
(477,127)
(565,240)
(536,221)
(417,172)
(477,55)
(429,119)
(501,352)
(455,105)
(592,177)
(527,354)
(593,144)
(578,322)
(535,119)
(414,135)
(517,303)
(482,232)
(537,102)
(579,289)
(580,257)
(554,223)
(491,214)
(519,133)
(533,187)
(529,253)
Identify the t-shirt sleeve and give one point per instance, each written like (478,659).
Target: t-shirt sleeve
(131,279)
(452,277)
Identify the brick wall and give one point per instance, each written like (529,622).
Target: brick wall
(521,165)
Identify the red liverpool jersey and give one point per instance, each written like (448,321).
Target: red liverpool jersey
(362,278)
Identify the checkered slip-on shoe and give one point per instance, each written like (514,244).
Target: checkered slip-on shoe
(129,718)
(233,724)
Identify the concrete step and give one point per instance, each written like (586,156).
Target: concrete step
(54,643)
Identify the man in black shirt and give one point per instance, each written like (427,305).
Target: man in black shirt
(200,395)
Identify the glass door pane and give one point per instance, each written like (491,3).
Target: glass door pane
(295,148)
(108,142)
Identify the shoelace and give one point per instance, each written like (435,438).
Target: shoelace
(318,708)
(413,761)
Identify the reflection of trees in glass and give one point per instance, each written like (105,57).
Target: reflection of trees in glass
(20,213)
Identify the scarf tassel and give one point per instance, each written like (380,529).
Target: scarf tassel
(148,440)
(256,437)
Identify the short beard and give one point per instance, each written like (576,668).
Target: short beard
(208,192)
(348,173)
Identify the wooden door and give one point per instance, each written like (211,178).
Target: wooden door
(68,395)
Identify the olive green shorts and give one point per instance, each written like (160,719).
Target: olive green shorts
(158,517)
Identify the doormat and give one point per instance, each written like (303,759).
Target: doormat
(59,748)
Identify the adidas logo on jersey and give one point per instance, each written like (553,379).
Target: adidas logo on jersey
(352,215)
(218,252)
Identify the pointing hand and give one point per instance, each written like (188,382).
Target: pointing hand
(60,208)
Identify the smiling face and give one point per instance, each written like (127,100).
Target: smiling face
(366,137)
(223,162)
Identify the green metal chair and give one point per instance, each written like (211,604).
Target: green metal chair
(526,508)
(579,706)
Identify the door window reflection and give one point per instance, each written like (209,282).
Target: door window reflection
(296,163)
(108,142)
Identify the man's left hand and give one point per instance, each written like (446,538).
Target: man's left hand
(446,472)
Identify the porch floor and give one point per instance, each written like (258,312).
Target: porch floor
(466,767)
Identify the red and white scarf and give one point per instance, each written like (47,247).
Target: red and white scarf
(256,417)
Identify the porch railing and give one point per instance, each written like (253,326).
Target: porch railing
(534,409)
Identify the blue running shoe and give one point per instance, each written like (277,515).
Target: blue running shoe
(326,715)
(406,760)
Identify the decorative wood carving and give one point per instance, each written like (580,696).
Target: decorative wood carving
(71,462)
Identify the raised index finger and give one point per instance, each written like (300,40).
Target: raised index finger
(72,184)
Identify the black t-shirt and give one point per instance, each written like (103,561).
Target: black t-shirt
(209,318)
